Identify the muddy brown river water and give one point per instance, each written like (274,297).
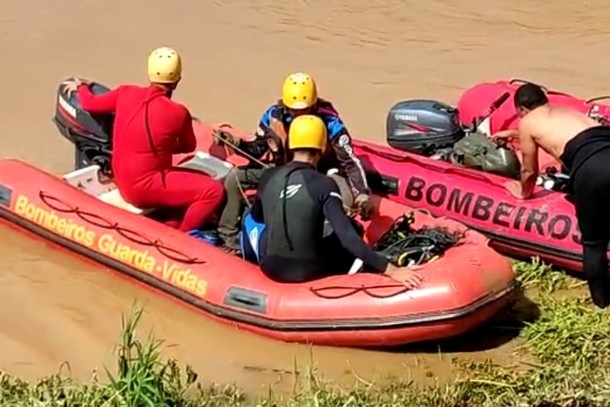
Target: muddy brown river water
(365,55)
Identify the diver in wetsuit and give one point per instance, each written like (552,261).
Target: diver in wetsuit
(294,200)
(583,147)
(299,97)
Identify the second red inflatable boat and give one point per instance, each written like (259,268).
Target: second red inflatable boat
(442,160)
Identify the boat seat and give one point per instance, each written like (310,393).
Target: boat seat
(87,179)
(114,198)
(208,164)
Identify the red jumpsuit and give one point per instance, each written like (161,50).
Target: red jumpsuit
(148,129)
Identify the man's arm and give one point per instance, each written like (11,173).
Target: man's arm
(342,145)
(186,142)
(259,146)
(265,121)
(255,148)
(343,228)
(103,103)
(529,166)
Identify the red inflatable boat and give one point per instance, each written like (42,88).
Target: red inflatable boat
(84,213)
(461,290)
(475,101)
(544,226)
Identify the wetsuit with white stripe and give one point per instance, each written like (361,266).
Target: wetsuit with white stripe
(293,201)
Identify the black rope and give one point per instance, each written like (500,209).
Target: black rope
(97,220)
(368,290)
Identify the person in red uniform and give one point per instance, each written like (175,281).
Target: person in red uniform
(148,129)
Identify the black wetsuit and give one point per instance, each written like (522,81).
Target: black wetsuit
(587,158)
(293,201)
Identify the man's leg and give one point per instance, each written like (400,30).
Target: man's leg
(592,201)
(196,193)
(237,181)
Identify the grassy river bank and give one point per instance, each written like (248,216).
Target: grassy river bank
(564,361)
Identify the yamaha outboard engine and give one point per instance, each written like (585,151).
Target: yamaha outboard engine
(90,134)
(423,126)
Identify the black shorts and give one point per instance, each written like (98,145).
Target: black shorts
(587,156)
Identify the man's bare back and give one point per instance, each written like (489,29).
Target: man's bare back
(552,127)
(587,162)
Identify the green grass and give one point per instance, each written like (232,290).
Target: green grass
(569,343)
(543,277)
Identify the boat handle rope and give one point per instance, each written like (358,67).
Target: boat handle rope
(94,219)
(597,99)
(368,290)
(523,81)
(544,88)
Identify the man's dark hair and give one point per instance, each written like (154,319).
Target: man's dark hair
(530,96)
(309,151)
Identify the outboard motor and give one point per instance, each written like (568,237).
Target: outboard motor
(90,134)
(477,151)
(422,126)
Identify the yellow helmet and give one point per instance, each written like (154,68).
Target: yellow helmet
(299,91)
(164,66)
(307,131)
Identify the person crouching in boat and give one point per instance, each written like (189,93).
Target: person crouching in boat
(582,145)
(148,129)
(299,97)
(293,202)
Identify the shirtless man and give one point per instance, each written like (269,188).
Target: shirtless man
(582,145)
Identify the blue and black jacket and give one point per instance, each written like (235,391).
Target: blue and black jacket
(340,153)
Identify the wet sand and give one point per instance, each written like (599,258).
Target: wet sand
(365,57)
